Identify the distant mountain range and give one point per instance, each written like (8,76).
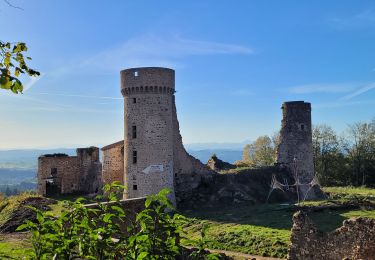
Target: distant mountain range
(27,158)
(224,154)
(18,166)
(217,146)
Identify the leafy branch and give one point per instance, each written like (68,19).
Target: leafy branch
(13,65)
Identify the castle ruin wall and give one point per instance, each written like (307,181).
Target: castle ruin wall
(354,240)
(62,174)
(113,163)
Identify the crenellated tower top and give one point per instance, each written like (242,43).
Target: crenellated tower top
(147,80)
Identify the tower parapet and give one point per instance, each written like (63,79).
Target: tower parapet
(147,80)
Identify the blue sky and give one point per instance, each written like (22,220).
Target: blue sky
(235,62)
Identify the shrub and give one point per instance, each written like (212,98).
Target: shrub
(95,233)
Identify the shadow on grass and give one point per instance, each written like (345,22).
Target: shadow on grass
(276,216)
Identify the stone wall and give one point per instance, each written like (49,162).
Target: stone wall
(63,170)
(189,172)
(245,186)
(354,240)
(59,174)
(113,163)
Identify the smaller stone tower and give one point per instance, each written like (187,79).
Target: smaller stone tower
(295,149)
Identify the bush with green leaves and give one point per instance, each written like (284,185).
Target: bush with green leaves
(83,232)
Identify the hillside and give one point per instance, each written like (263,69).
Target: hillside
(26,159)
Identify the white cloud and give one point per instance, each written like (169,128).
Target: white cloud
(364,18)
(359,91)
(323,88)
(152,50)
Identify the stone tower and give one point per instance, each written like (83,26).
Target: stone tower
(148,142)
(295,149)
(154,157)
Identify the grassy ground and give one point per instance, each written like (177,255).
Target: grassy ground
(262,229)
(252,229)
(10,204)
(16,246)
(354,191)
(265,229)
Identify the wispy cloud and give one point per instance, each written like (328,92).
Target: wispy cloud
(323,88)
(32,81)
(153,50)
(79,96)
(360,91)
(342,103)
(364,18)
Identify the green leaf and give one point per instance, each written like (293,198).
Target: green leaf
(142,255)
(118,209)
(17,87)
(107,217)
(22,227)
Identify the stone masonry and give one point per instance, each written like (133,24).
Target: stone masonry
(62,174)
(295,150)
(354,240)
(113,163)
(154,157)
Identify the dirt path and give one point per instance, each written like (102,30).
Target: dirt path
(14,237)
(242,256)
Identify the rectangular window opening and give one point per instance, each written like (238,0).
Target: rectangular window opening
(53,171)
(134,131)
(135,73)
(134,157)
(134,100)
(135,187)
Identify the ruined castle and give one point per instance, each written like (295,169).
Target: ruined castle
(151,156)
(63,174)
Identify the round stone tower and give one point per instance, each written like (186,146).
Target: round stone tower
(148,142)
(295,149)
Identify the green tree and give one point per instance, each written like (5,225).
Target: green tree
(13,65)
(329,162)
(360,148)
(260,153)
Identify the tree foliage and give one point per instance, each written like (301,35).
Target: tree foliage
(261,152)
(348,159)
(339,159)
(13,65)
